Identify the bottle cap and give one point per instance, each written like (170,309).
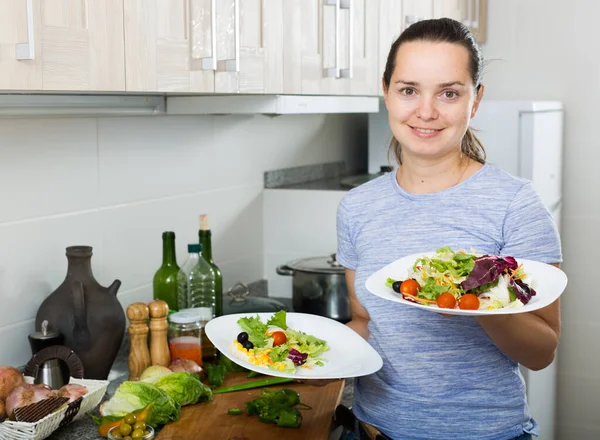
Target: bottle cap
(186,316)
(194,248)
(168,234)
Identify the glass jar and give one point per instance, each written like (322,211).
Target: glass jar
(185,335)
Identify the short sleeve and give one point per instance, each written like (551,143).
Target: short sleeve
(529,230)
(346,252)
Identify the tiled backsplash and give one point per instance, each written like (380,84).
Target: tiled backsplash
(116,184)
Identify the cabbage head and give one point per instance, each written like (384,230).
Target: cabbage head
(184,388)
(132,396)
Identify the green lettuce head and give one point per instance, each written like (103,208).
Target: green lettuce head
(133,396)
(184,388)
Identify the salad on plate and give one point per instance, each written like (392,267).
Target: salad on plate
(275,346)
(465,280)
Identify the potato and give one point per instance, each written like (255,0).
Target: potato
(10,378)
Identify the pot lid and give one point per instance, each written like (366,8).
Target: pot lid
(240,301)
(317,265)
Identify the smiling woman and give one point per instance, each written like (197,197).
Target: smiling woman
(432,89)
(443,377)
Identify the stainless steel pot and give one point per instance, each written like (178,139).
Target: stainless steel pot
(319,287)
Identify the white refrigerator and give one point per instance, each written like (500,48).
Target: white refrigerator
(524,138)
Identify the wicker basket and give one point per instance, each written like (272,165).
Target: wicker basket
(43,428)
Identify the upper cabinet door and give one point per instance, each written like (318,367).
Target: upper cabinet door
(56,45)
(168,45)
(204,46)
(249,46)
(337,47)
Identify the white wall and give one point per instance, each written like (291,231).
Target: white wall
(549,49)
(116,184)
(297,224)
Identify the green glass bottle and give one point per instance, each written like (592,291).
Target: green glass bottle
(204,235)
(165,279)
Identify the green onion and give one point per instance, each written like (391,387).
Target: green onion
(255,384)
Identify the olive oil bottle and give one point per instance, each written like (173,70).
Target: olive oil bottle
(205,237)
(164,283)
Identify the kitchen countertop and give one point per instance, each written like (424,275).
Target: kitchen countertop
(86,429)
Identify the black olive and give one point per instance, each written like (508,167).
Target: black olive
(396,286)
(248,345)
(242,337)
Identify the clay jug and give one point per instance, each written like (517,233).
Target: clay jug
(88,315)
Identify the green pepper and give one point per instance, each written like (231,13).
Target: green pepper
(277,407)
(215,373)
(289,418)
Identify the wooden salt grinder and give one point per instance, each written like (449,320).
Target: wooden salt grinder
(159,347)
(139,356)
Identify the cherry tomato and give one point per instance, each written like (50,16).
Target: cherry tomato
(278,338)
(410,287)
(468,302)
(446,301)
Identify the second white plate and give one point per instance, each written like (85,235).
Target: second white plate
(349,355)
(549,283)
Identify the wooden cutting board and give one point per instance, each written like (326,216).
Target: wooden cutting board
(210,421)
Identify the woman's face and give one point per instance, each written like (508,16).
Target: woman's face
(431,98)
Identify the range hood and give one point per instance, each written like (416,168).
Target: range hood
(270,104)
(84,105)
(31,105)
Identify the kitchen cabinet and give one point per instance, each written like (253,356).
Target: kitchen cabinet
(472,13)
(331,47)
(56,45)
(203,46)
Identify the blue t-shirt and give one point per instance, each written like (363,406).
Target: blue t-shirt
(442,377)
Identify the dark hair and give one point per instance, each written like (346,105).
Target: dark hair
(441,30)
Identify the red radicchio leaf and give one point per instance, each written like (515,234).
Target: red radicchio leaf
(297,357)
(487,269)
(522,290)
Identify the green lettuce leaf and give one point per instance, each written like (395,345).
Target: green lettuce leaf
(133,396)
(278,320)
(307,343)
(256,330)
(184,388)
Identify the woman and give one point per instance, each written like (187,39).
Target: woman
(443,377)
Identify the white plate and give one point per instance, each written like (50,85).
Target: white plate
(349,355)
(549,283)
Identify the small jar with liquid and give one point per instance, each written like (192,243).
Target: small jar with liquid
(185,335)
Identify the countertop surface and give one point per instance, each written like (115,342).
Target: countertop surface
(85,428)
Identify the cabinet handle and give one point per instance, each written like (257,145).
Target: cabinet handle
(336,71)
(233,65)
(210,63)
(26,51)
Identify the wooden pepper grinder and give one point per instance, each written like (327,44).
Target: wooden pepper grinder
(139,355)
(159,347)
